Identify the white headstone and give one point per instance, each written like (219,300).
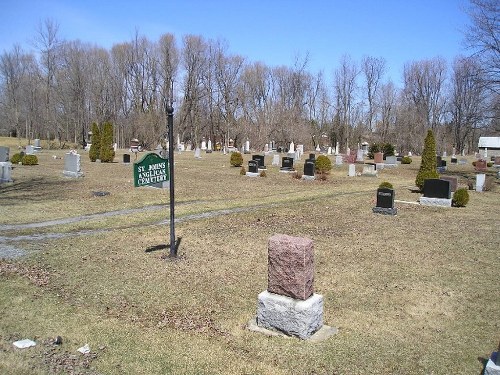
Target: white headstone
(276,160)
(292,147)
(454,152)
(485,153)
(337,149)
(318,149)
(480,179)
(359,155)
(444,154)
(203,145)
(300,149)
(296,156)
(72,166)
(36,143)
(329,152)
(266,148)
(247,146)
(5,171)
(30,150)
(338,160)
(209,146)
(409,153)
(197,153)
(348,151)
(115,146)
(352,170)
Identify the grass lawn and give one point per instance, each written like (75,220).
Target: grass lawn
(416,293)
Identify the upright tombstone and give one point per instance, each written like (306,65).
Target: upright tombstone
(72,166)
(287,164)
(126,158)
(481,165)
(453,160)
(369,170)
(253,168)
(289,305)
(318,148)
(260,161)
(203,145)
(291,149)
(385,202)
(30,150)
(4,154)
(309,170)
(453,182)
(359,155)
(246,149)
(338,160)
(312,157)
(480,180)
(276,160)
(379,160)
(441,168)
(352,170)
(436,193)
(391,161)
(329,150)
(5,171)
(197,153)
(37,147)
(296,155)
(266,148)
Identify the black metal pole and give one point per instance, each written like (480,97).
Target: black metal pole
(170,129)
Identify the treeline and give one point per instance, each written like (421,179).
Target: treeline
(61,87)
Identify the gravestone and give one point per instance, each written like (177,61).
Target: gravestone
(329,150)
(266,148)
(444,154)
(203,145)
(453,160)
(385,202)
(30,150)
(309,170)
(352,170)
(496,161)
(338,160)
(438,161)
(378,157)
(197,153)
(126,158)
(276,160)
(72,166)
(5,171)
(369,170)
(286,164)
(260,161)
(312,157)
(481,165)
(246,149)
(253,168)
(480,180)
(391,161)
(436,193)
(462,161)
(453,182)
(359,155)
(493,365)
(4,154)
(37,147)
(289,305)
(441,168)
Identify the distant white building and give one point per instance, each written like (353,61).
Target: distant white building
(489,146)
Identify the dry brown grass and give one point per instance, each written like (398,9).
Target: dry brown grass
(410,294)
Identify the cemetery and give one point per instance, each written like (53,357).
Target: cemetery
(403,287)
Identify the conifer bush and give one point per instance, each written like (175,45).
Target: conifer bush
(29,160)
(460,197)
(236,159)
(385,185)
(107,154)
(428,164)
(322,164)
(95,148)
(406,160)
(16,158)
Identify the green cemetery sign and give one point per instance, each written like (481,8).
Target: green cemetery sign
(150,170)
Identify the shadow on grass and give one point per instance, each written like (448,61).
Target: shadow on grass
(483,361)
(35,189)
(163,247)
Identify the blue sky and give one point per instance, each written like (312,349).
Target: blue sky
(273,31)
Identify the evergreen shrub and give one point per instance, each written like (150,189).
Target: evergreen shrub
(236,159)
(460,197)
(428,164)
(95,148)
(29,160)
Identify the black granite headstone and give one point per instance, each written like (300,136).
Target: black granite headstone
(309,167)
(253,166)
(436,188)
(286,163)
(126,158)
(453,160)
(312,156)
(260,160)
(385,202)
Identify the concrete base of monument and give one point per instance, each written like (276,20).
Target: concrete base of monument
(308,178)
(287,170)
(385,211)
(292,317)
(440,202)
(73,174)
(320,335)
(252,174)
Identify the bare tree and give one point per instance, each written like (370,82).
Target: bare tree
(467,100)
(373,70)
(387,99)
(483,37)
